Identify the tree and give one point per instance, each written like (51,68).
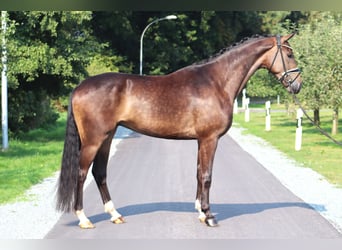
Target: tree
(320,46)
(47,55)
(51,52)
(264,84)
(170,45)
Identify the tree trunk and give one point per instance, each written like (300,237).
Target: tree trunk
(334,128)
(317,119)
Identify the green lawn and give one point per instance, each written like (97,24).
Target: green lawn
(29,159)
(317,152)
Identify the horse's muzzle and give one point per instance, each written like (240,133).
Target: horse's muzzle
(294,87)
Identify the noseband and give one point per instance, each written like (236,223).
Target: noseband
(285,76)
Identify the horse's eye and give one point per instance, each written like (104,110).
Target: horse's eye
(290,55)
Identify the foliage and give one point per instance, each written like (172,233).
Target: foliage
(264,84)
(49,52)
(320,55)
(56,44)
(172,44)
(30,109)
(107,63)
(272,21)
(47,55)
(195,36)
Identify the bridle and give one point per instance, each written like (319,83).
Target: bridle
(286,75)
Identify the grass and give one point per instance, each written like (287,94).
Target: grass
(317,151)
(30,158)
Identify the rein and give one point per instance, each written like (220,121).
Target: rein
(312,121)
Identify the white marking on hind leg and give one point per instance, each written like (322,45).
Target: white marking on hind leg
(201,216)
(198,205)
(109,208)
(84,221)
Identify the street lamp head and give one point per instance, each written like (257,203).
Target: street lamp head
(171,17)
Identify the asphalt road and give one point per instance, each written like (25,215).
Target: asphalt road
(153,184)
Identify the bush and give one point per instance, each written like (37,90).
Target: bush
(28,110)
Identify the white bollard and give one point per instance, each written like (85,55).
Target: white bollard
(244,98)
(299,130)
(235,107)
(268,116)
(247,110)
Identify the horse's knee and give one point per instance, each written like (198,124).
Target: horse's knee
(82,175)
(207,184)
(206,181)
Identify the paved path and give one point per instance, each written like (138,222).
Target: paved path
(153,184)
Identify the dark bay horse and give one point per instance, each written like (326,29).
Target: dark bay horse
(195,102)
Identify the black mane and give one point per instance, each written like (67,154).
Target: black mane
(234,45)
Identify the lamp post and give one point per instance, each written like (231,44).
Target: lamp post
(4,101)
(170,17)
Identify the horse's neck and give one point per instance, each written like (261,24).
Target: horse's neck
(238,66)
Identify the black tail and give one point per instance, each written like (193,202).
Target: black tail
(67,184)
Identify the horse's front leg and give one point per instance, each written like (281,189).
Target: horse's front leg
(201,216)
(206,153)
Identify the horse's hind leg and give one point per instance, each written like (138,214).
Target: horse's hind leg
(87,155)
(100,174)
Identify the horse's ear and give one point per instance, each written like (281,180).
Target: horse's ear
(288,37)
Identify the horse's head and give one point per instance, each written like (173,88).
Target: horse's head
(280,61)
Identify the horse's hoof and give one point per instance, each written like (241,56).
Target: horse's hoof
(119,220)
(211,222)
(86,225)
(202,218)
